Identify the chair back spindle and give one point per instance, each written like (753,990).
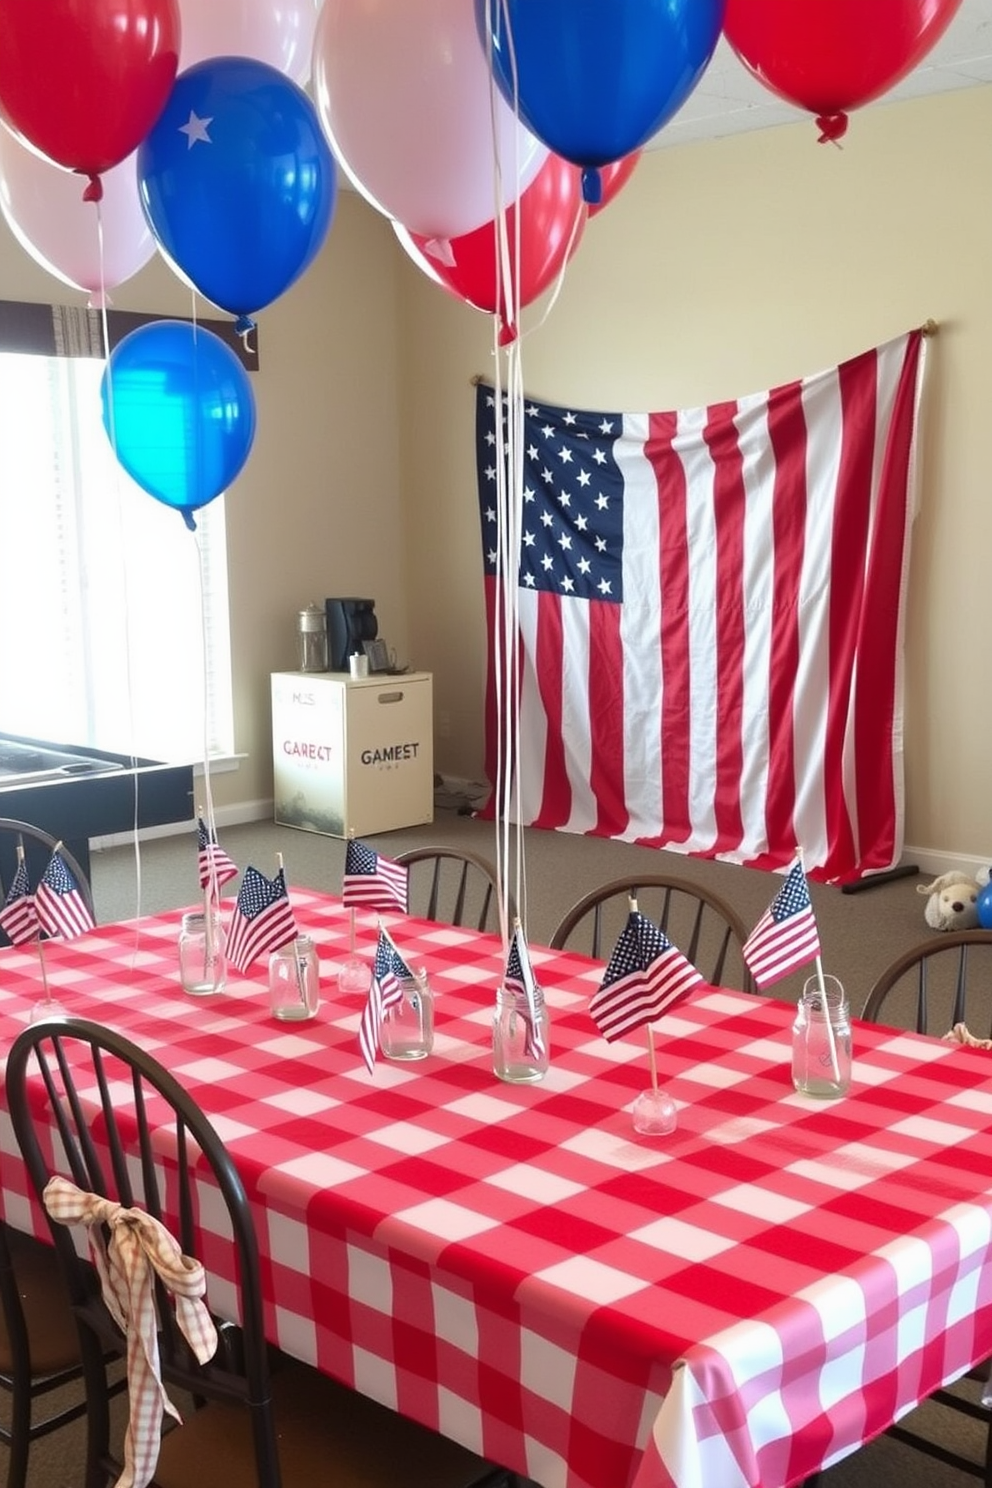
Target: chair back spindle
(454,887)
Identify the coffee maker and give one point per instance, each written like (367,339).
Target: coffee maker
(350,623)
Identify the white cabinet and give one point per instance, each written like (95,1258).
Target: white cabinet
(352,756)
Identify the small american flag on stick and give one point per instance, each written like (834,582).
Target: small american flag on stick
(388,974)
(786,936)
(214,864)
(19,915)
(519,978)
(645,976)
(372,881)
(62,909)
(263,919)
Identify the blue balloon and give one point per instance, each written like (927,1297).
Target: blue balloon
(984,907)
(595,79)
(179,411)
(238,182)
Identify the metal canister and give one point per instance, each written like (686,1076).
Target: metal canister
(312,638)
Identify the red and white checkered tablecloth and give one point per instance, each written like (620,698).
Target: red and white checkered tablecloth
(737,1303)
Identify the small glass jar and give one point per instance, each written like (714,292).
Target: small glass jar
(821,1040)
(294,980)
(521,1046)
(407,1030)
(202,953)
(312,637)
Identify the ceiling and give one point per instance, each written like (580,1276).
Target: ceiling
(728,100)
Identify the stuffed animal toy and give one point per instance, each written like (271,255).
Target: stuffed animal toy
(951,901)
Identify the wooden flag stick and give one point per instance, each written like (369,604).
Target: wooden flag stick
(649,1032)
(44,971)
(831,1040)
(208,903)
(651,1059)
(41,957)
(298,961)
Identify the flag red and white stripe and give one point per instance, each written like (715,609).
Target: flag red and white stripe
(213,862)
(645,976)
(62,909)
(372,881)
(19,915)
(786,937)
(389,972)
(520,980)
(711,618)
(262,919)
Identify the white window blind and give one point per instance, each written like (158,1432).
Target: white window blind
(114,621)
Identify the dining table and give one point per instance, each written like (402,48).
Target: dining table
(733,1305)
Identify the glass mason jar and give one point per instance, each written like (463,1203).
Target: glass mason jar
(407,1030)
(294,980)
(202,953)
(520,1051)
(821,1040)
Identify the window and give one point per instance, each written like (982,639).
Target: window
(115,628)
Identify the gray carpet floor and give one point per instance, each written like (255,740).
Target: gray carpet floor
(860,934)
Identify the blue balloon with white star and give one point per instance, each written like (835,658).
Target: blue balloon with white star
(237,182)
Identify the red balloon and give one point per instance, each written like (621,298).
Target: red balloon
(829,56)
(552,218)
(83,81)
(613,178)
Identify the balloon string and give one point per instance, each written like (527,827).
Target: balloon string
(515,509)
(203,585)
(125,567)
(505,618)
(581,213)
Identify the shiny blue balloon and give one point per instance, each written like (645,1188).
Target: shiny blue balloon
(983,905)
(238,182)
(179,411)
(597,78)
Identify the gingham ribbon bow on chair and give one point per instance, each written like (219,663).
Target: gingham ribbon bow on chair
(138,1245)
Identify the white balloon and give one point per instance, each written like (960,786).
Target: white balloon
(404,94)
(279,32)
(44,208)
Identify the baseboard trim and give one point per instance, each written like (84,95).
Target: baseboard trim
(934,861)
(224,816)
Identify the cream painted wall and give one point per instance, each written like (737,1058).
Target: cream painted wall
(316,510)
(721,269)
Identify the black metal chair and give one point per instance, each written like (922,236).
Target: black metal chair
(39,1347)
(927,987)
(254,1422)
(943,981)
(455,887)
(700,922)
